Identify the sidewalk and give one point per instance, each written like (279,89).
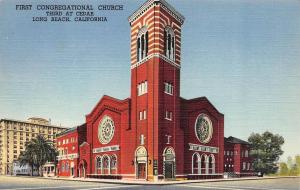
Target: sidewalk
(138,182)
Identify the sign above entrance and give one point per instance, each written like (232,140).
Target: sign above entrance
(106,149)
(201,148)
(68,156)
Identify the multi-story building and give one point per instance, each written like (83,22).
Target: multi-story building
(14,134)
(237,159)
(68,147)
(155,133)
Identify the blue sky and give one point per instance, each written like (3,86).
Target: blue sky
(244,55)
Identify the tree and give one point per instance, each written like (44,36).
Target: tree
(266,149)
(297,162)
(294,170)
(37,152)
(283,169)
(295,166)
(289,162)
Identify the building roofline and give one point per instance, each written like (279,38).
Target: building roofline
(202,98)
(70,130)
(150,3)
(106,97)
(234,140)
(38,118)
(27,122)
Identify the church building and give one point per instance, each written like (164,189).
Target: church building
(155,133)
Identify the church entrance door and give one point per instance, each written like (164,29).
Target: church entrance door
(141,170)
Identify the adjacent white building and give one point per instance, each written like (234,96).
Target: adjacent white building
(24,170)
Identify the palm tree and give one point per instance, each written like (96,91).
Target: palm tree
(37,152)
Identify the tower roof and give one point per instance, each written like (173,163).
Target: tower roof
(179,17)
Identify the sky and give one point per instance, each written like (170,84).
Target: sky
(243,55)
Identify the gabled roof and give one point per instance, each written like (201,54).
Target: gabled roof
(235,140)
(113,102)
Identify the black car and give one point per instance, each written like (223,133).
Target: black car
(260,174)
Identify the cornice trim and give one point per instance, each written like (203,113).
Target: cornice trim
(158,56)
(169,8)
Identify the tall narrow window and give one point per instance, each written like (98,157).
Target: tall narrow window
(67,166)
(142,138)
(142,88)
(98,163)
(106,162)
(165,42)
(113,162)
(146,44)
(138,46)
(146,86)
(169,43)
(169,115)
(169,88)
(142,44)
(141,115)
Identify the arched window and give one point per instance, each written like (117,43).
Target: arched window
(244,165)
(211,164)
(169,43)
(196,165)
(63,167)
(203,162)
(105,162)
(113,162)
(142,44)
(67,166)
(98,164)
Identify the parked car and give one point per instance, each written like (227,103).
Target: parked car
(260,174)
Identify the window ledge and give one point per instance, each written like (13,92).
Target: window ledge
(143,94)
(168,93)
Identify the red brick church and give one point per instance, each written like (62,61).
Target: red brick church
(155,133)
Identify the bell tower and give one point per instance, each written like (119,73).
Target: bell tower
(155,89)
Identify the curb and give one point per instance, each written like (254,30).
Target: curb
(158,183)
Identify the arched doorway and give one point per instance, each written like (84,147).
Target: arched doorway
(82,168)
(169,163)
(141,162)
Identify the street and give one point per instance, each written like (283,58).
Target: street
(27,183)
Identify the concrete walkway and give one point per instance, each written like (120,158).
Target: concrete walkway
(139,182)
